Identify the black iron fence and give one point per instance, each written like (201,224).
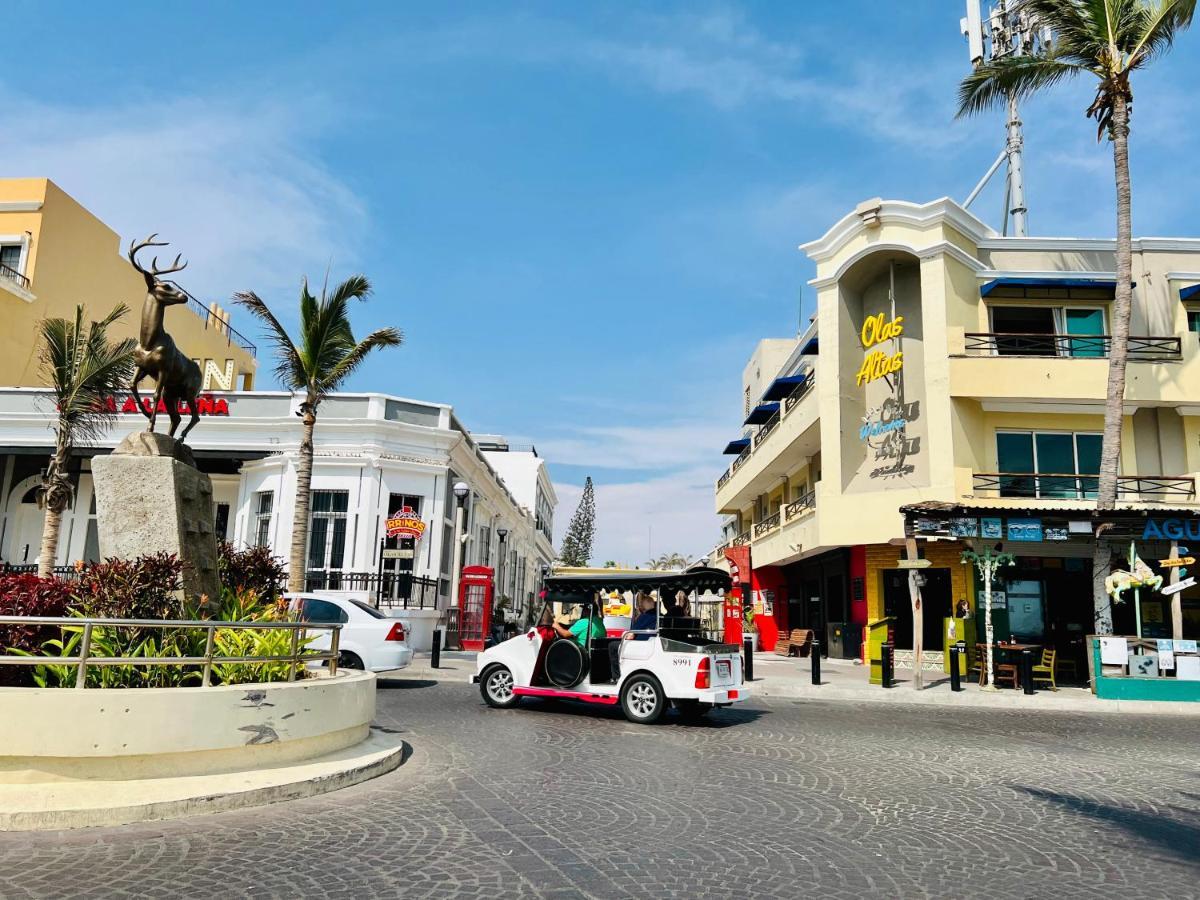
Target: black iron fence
(66,573)
(11,274)
(1078,346)
(1053,486)
(393,589)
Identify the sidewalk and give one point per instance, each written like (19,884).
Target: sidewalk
(842,680)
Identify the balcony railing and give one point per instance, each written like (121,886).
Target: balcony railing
(766,429)
(10,274)
(770,523)
(741,540)
(800,506)
(395,589)
(218,323)
(1072,346)
(1051,486)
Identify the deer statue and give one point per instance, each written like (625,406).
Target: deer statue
(176,378)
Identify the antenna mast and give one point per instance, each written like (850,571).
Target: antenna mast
(1009,30)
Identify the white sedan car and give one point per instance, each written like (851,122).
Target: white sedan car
(369,639)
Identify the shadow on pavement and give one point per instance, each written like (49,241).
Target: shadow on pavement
(403,684)
(716,719)
(1175,837)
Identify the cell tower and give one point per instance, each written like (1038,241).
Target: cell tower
(1009,30)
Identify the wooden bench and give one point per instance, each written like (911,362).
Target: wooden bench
(798,643)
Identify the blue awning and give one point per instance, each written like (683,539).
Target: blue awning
(1066,281)
(781,387)
(735,448)
(1192,292)
(761,413)
(811,348)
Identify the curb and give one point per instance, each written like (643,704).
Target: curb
(379,754)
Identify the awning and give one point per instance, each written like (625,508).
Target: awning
(1191,292)
(781,387)
(811,348)
(1066,281)
(761,413)
(737,446)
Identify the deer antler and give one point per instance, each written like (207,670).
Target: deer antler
(154,271)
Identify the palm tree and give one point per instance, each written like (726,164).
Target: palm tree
(83,370)
(1109,39)
(317,364)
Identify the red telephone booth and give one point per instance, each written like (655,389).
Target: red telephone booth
(735,600)
(475,590)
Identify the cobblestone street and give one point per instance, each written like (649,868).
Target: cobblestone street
(781,798)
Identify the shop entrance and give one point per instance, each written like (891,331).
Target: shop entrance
(936,606)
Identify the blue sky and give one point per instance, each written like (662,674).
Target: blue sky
(582,216)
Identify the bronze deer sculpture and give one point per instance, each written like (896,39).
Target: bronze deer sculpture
(176,377)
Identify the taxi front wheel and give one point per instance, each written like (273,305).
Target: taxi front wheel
(496,685)
(642,699)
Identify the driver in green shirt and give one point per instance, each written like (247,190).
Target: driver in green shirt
(578,632)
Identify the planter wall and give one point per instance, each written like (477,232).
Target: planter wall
(59,734)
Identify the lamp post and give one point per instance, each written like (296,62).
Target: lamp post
(461,491)
(988,562)
(502,534)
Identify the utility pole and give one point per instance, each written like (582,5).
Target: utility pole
(1009,30)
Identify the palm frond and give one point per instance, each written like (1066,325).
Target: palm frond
(1158,29)
(290,370)
(376,340)
(992,82)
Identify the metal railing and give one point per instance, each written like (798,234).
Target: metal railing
(770,523)
(1078,346)
(740,461)
(766,428)
(741,540)
(385,588)
(801,505)
(724,479)
(297,657)
(798,392)
(11,274)
(232,335)
(1055,486)
(65,573)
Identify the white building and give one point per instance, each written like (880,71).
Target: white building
(374,454)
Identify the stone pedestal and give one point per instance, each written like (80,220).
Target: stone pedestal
(151,498)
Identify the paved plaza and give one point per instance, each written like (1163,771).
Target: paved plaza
(780,798)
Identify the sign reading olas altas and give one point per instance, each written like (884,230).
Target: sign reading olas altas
(404,522)
(877,364)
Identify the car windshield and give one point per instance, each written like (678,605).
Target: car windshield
(369,610)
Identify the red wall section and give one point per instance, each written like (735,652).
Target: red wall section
(770,578)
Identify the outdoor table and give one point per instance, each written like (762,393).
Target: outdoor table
(1017,648)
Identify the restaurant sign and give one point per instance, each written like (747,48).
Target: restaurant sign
(405,523)
(206,405)
(1171,529)
(1025,530)
(876,364)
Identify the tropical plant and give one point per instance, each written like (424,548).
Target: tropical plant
(669,561)
(253,569)
(147,587)
(259,642)
(316,364)
(83,369)
(1109,39)
(116,642)
(28,595)
(577,545)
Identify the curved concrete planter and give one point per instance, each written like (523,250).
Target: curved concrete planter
(86,757)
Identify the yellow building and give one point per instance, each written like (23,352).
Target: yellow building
(54,254)
(961,376)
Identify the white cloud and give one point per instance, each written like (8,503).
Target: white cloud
(671,513)
(658,447)
(233,184)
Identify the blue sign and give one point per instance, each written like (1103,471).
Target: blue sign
(1029,530)
(991,528)
(1171,530)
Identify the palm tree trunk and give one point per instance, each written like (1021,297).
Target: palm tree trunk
(297,564)
(1114,413)
(55,497)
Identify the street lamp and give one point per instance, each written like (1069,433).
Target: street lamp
(502,534)
(461,492)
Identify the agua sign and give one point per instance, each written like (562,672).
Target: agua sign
(876,364)
(405,523)
(1171,530)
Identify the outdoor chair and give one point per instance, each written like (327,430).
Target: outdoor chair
(783,646)
(1067,665)
(1045,671)
(1008,672)
(797,643)
(979,663)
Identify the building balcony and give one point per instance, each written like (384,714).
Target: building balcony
(1071,346)
(782,440)
(1168,489)
(13,276)
(786,535)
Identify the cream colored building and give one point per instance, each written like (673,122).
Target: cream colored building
(54,254)
(951,369)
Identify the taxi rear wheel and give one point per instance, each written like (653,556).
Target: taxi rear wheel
(496,686)
(642,699)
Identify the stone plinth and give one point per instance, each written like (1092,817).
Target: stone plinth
(151,498)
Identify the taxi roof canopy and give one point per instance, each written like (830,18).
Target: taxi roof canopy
(576,587)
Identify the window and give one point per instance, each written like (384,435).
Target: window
(1193,319)
(327,529)
(323,612)
(1056,465)
(1049,331)
(10,257)
(485,544)
(264,503)
(221,521)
